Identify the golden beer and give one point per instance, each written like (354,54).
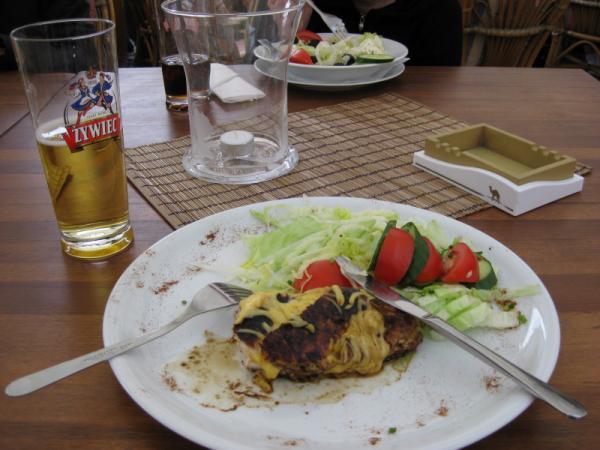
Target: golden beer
(89,192)
(70,74)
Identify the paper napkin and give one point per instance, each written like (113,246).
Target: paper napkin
(230,87)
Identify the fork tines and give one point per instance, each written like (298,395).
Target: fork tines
(232,291)
(340,31)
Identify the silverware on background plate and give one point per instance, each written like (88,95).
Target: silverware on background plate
(272,52)
(533,385)
(212,297)
(334,23)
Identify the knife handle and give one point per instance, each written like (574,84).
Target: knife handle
(533,385)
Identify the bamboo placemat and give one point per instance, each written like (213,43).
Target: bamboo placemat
(362,148)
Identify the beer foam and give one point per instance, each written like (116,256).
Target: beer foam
(50,133)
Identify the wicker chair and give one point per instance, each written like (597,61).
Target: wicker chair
(135,27)
(578,40)
(114,10)
(509,32)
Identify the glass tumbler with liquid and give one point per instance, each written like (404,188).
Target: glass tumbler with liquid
(69,69)
(235,57)
(170,63)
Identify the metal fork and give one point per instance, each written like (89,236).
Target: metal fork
(203,301)
(231,291)
(335,24)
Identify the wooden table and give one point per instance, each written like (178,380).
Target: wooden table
(14,102)
(52,306)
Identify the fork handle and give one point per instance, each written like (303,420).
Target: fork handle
(533,385)
(313,6)
(37,380)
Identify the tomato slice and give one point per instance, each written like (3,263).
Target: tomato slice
(433,267)
(321,273)
(394,257)
(307,36)
(301,56)
(460,265)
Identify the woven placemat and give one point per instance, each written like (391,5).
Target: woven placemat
(362,148)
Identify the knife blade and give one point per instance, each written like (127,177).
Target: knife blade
(538,388)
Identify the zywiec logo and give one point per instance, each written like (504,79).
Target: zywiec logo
(93,131)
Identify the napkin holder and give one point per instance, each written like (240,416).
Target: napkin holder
(509,172)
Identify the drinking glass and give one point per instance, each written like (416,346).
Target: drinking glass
(237,107)
(69,70)
(170,63)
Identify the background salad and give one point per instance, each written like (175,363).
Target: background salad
(310,48)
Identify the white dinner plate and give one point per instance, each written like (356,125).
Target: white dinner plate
(392,72)
(446,399)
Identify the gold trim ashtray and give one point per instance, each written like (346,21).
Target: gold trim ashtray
(509,172)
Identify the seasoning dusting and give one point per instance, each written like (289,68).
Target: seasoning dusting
(442,411)
(165,287)
(492,383)
(209,237)
(191,269)
(374,440)
(170,382)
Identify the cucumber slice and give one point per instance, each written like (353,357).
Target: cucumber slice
(391,224)
(420,256)
(487,276)
(374,59)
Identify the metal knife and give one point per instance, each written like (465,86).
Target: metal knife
(533,385)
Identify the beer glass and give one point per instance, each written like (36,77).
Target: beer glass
(237,109)
(69,70)
(170,63)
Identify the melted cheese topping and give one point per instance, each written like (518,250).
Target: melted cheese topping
(360,350)
(266,304)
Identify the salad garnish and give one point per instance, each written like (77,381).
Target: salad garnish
(448,278)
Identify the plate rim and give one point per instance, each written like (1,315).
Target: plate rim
(120,369)
(400,68)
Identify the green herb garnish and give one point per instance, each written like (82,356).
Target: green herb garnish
(522,319)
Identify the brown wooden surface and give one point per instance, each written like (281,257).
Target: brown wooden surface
(14,104)
(51,306)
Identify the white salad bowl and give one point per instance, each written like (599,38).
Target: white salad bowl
(340,74)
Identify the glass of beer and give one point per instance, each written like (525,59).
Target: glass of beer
(170,63)
(69,70)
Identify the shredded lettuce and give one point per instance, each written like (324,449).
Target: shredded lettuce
(299,236)
(330,52)
(326,54)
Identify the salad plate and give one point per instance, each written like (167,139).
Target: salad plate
(388,73)
(444,399)
(337,73)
